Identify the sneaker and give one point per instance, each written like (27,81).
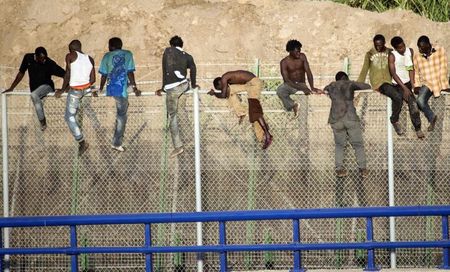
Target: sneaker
(432,123)
(267,142)
(340,173)
(295,109)
(364,172)
(420,134)
(176,152)
(43,124)
(118,148)
(398,128)
(82,147)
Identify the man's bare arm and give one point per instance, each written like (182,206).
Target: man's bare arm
(16,81)
(310,76)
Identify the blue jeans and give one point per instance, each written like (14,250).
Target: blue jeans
(72,108)
(121,119)
(422,101)
(172,97)
(37,95)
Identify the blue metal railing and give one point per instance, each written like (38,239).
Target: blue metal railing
(227,216)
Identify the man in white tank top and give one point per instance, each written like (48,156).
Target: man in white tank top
(402,71)
(80,75)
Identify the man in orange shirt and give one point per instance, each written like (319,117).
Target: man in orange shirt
(431,71)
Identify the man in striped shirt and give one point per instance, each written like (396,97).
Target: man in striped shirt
(431,71)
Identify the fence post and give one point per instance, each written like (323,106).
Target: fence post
(5,177)
(297,253)
(223,242)
(445,250)
(391,183)
(347,66)
(148,244)
(258,67)
(198,175)
(73,245)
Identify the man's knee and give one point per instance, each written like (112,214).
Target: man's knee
(35,97)
(280,91)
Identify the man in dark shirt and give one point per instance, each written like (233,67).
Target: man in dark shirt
(344,121)
(175,63)
(40,71)
(233,82)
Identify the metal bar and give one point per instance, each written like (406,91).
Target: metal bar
(445,250)
(148,244)
(1,247)
(370,252)
(5,176)
(391,183)
(73,246)
(222,242)
(296,239)
(228,248)
(198,175)
(187,217)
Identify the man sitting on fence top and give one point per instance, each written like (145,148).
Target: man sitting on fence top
(344,121)
(40,71)
(431,71)
(293,69)
(80,75)
(402,72)
(117,67)
(376,63)
(230,85)
(175,63)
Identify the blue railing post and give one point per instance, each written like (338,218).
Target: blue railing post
(370,252)
(1,246)
(223,242)
(445,250)
(73,246)
(296,240)
(148,244)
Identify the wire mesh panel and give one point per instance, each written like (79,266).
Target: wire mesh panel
(46,177)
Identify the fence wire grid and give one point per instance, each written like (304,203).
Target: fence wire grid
(46,177)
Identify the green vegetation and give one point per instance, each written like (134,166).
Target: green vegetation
(436,10)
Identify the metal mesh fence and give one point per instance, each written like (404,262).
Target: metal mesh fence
(48,178)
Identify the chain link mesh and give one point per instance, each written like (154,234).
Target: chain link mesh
(48,178)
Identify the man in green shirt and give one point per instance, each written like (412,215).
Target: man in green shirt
(376,62)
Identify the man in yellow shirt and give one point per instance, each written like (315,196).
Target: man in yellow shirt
(431,71)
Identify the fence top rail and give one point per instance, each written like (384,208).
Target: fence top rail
(250,215)
(152,93)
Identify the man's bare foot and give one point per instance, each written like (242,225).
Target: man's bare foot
(241,119)
(295,109)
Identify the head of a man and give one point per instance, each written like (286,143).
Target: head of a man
(75,45)
(398,44)
(341,76)
(379,42)
(424,45)
(217,83)
(114,44)
(40,54)
(294,48)
(176,41)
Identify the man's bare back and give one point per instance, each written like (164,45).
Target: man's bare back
(237,77)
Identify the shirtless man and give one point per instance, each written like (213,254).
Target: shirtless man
(293,69)
(230,85)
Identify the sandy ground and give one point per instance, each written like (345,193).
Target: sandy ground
(213,30)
